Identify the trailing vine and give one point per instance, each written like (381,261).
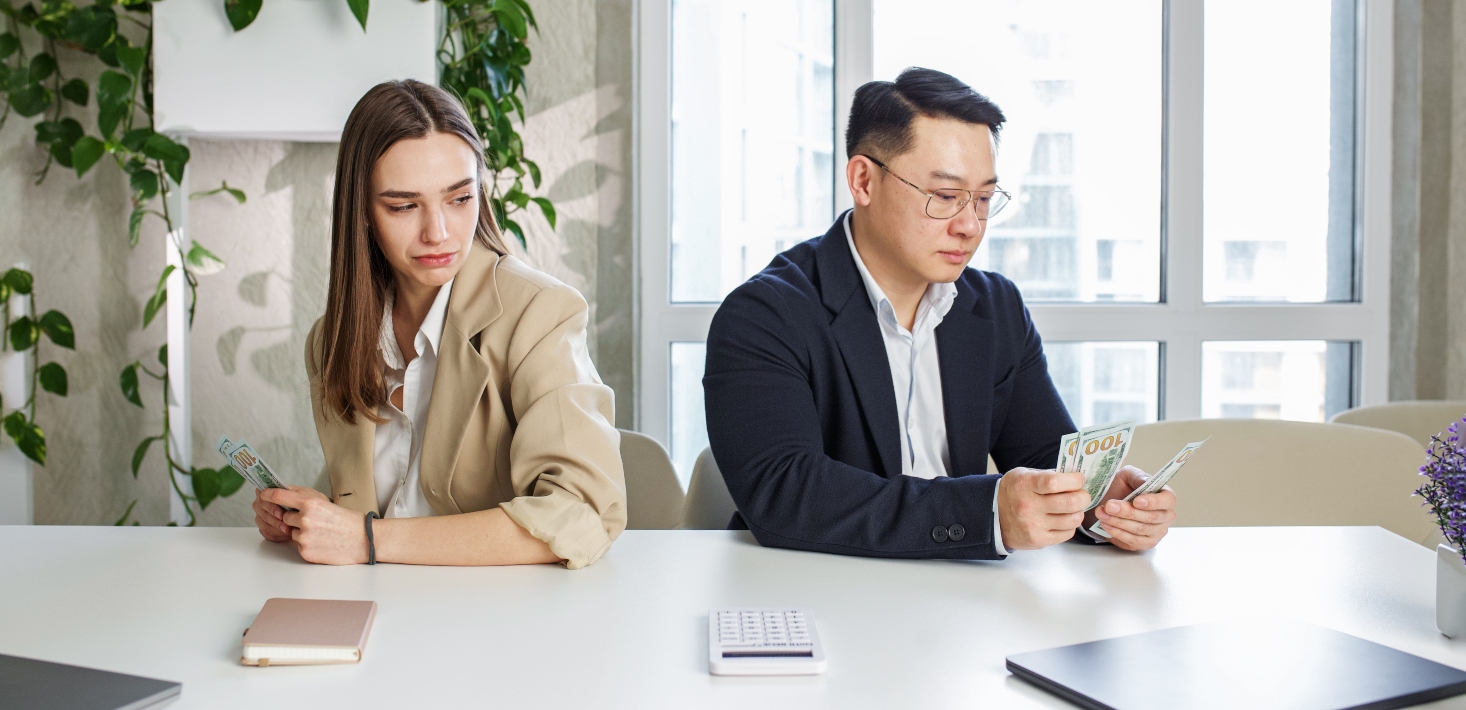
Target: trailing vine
(119,34)
(22,334)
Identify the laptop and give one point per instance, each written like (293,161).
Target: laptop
(41,685)
(1255,664)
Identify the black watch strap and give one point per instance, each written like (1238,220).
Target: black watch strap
(371,545)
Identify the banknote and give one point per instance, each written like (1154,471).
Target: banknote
(244,459)
(1098,452)
(224,445)
(1157,481)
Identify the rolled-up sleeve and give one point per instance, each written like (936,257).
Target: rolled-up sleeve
(565,458)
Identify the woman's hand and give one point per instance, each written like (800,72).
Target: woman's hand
(269,518)
(326,533)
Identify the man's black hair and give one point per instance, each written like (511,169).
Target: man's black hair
(882,111)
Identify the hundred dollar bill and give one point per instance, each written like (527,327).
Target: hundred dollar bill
(1157,481)
(1099,452)
(223,446)
(244,459)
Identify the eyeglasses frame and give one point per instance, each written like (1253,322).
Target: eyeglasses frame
(971,194)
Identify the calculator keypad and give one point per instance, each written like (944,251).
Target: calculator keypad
(771,629)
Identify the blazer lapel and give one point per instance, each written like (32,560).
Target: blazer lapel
(462,374)
(861,346)
(966,358)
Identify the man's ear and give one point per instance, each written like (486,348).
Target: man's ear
(860,175)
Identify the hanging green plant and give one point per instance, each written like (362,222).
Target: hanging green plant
(119,35)
(22,335)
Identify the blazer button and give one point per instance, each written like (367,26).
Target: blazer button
(956,533)
(939,534)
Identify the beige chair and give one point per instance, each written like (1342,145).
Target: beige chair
(1268,472)
(653,493)
(1420,420)
(709,507)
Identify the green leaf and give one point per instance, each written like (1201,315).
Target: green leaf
(163,355)
(229,481)
(126,513)
(23,333)
(53,378)
(114,92)
(9,45)
(58,328)
(135,221)
(32,443)
(161,147)
(205,486)
(134,139)
(241,12)
(86,153)
(42,67)
(92,26)
(76,91)
(359,9)
(15,425)
(61,152)
(141,452)
(145,184)
(534,171)
(19,281)
(160,297)
(128,380)
(547,208)
(237,194)
(511,18)
(132,59)
(175,169)
(30,100)
(514,227)
(201,261)
(67,131)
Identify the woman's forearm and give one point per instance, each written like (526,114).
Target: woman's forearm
(486,537)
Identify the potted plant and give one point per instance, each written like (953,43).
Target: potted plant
(1445,493)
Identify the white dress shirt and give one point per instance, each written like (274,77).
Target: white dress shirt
(397,457)
(917,377)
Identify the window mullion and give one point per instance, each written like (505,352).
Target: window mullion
(1182,210)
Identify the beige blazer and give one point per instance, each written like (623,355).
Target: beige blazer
(516,420)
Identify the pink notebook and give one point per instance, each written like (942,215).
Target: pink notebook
(297,632)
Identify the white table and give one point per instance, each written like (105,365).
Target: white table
(630,630)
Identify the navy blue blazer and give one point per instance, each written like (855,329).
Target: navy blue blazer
(801,412)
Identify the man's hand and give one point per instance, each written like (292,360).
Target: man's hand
(325,532)
(1139,524)
(1040,508)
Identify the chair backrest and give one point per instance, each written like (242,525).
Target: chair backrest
(1269,472)
(1419,420)
(653,493)
(709,507)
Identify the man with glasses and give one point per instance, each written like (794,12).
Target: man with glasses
(857,385)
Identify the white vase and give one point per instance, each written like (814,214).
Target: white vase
(1450,592)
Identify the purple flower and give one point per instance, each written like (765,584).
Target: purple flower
(1445,487)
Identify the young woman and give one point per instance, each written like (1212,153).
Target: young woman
(453,393)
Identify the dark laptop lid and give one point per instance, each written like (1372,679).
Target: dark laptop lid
(1255,664)
(41,685)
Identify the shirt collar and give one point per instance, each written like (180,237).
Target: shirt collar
(431,328)
(938,297)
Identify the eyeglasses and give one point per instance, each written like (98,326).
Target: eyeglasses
(948,202)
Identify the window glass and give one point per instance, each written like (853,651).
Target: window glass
(752,137)
(1103,382)
(1279,203)
(1080,84)
(1302,380)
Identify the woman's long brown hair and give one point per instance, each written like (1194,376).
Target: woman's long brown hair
(360,274)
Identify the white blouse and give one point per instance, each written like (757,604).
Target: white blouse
(397,458)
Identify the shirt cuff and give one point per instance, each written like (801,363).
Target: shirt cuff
(1094,536)
(998,529)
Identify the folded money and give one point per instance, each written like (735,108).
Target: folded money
(243,458)
(1157,481)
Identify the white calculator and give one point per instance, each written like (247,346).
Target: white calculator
(764,641)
